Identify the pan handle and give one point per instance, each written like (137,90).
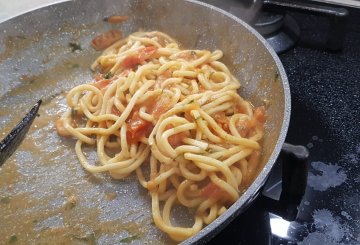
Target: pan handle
(293,169)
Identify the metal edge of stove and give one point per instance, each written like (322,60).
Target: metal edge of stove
(347,3)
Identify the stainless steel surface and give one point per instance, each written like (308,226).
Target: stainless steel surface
(36,44)
(349,3)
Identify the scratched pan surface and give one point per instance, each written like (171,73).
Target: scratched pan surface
(45,195)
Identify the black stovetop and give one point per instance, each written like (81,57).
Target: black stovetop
(325,117)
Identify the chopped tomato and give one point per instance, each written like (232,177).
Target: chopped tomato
(249,175)
(100,84)
(188,56)
(202,88)
(243,127)
(98,77)
(114,19)
(212,190)
(176,139)
(133,60)
(222,119)
(106,39)
(254,160)
(192,106)
(160,79)
(137,128)
(115,111)
(240,109)
(147,52)
(167,74)
(259,114)
(124,73)
(159,105)
(59,124)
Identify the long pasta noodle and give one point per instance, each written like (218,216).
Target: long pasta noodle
(178,110)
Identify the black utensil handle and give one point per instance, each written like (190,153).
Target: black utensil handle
(293,159)
(337,17)
(11,142)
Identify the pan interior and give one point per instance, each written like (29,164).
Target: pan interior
(43,181)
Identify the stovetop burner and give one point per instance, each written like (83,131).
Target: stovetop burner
(280,30)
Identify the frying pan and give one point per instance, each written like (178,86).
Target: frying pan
(44,191)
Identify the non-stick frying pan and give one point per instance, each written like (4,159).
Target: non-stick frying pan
(46,197)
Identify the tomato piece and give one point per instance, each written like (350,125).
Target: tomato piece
(243,127)
(147,52)
(115,19)
(212,190)
(221,118)
(59,125)
(259,114)
(159,106)
(102,83)
(254,160)
(106,39)
(115,111)
(124,73)
(188,56)
(137,128)
(240,109)
(98,77)
(176,139)
(131,61)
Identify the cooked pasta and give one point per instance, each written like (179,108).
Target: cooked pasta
(179,112)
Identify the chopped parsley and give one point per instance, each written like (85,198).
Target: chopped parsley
(277,75)
(75,47)
(129,239)
(87,238)
(108,75)
(5,200)
(74,113)
(13,238)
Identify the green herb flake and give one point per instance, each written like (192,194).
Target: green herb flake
(75,47)
(73,113)
(5,200)
(90,238)
(13,238)
(277,75)
(108,75)
(70,65)
(129,239)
